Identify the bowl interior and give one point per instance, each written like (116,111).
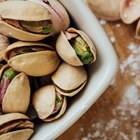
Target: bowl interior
(100,73)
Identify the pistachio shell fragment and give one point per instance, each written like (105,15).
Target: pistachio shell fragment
(75,47)
(15,91)
(106,9)
(34,59)
(49,104)
(129,10)
(25,25)
(69,80)
(15,126)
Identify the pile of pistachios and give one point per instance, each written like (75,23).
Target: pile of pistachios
(36,76)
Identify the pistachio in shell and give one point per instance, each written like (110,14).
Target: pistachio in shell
(106,9)
(75,47)
(49,104)
(34,59)
(25,24)
(15,126)
(129,10)
(69,80)
(59,16)
(14,91)
(4,43)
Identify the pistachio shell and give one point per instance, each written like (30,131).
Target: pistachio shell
(8,10)
(17,96)
(60,113)
(11,117)
(11,31)
(41,63)
(107,9)
(68,77)
(44,101)
(138,30)
(66,51)
(4,42)
(17,135)
(70,93)
(129,10)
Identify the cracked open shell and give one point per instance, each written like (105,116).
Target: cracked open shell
(25,20)
(14,91)
(34,59)
(69,80)
(15,126)
(59,16)
(130,10)
(48,103)
(75,47)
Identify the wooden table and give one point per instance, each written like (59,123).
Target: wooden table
(116,114)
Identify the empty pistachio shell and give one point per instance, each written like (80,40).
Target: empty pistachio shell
(35,59)
(48,104)
(15,91)
(129,10)
(15,126)
(107,9)
(75,47)
(59,16)
(69,79)
(24,24)
(4,43)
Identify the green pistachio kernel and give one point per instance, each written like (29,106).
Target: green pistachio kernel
(37,26)
(10,73)
(58,99)
(82,50)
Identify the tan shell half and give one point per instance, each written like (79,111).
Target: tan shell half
(8,10)
(106,9)
(66,51)
(34,64)
(59,15)
(17,96)
(69,79)
(44,102)
(129,10)
(4,43)
(18,134)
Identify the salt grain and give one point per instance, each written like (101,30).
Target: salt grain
(112,39)
(102,22)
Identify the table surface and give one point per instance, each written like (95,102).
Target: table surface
(116,114)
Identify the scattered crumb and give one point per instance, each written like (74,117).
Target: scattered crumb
(118,25)
(102,22)
(112,39)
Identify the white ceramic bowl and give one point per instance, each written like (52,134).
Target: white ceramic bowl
(101,73)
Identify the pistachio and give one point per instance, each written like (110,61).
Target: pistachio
(25,25)
(37,59)
(75,47)
(129,10)
(15,126)
(49,104)
(74,79)
(106,9)
(13,99)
